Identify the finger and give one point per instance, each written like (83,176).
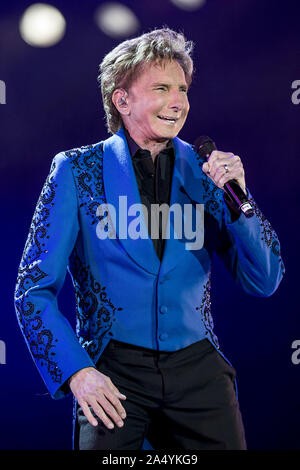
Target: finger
(115,390)
(232,163)
(98,410)
(233,175)
(230,155)
(213,157)
(238,166)
(217,155)
(214,164)
(228,159)
(235,158)
(205,168)
(87,413)
(220,172)
(222,176)
(218,159)
(104,407)
(116,403)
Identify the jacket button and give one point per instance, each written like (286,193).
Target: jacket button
(163,336)
(163,309)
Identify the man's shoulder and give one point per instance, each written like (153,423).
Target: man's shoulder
(84,153)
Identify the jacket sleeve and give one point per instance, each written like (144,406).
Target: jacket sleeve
(250,250)
(53,232)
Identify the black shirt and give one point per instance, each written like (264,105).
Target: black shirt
(154,181)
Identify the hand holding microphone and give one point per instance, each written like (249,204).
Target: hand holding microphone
(226,170)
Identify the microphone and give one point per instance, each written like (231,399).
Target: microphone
(204,147)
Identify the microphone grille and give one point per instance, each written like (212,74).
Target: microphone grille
(204,146)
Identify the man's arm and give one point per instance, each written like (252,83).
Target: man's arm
(52,235)
(51,340)
(249,248)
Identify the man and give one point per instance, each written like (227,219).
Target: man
(146,362)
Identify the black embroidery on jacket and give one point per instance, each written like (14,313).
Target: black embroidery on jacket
(95,311)
(268,233)
(40,340)
(205,310)
(87,165)
(212,195)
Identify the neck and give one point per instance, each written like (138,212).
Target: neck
(154,147)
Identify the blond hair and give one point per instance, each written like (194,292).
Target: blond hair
(122,65)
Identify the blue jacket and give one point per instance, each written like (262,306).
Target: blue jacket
(122,289)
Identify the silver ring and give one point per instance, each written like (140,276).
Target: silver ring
(226,168)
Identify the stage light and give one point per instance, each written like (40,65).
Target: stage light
(188,4)
(42,25)
(116,20)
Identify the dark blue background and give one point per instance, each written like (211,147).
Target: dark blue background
(246,58)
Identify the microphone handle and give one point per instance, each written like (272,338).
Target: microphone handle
(239,198)
(204,147)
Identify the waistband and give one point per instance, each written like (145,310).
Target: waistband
(202,345)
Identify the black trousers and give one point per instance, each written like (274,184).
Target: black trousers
(178,400)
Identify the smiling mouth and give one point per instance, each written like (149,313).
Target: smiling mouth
(168,119)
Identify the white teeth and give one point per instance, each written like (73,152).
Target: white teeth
(167,119)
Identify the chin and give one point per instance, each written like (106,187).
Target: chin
(167,133)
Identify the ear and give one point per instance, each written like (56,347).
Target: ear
(120,100)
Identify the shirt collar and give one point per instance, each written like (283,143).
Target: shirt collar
(134,147)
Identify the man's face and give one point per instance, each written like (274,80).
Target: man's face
(158,103)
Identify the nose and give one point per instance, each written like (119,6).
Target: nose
(177,100)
